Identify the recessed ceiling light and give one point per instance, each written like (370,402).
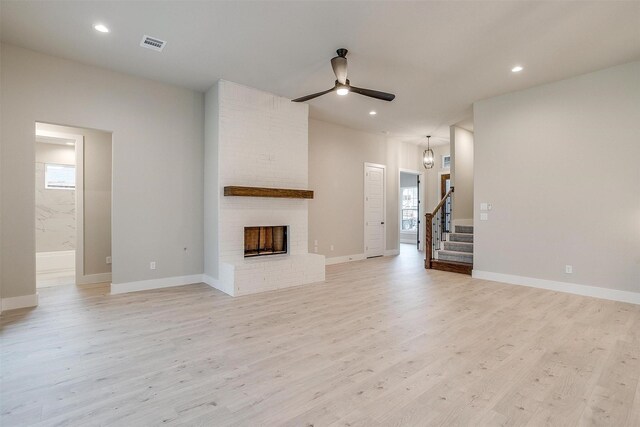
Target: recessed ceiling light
(372,113)
(517,69)
(102,28)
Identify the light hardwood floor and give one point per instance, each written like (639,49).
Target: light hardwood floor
(381,342)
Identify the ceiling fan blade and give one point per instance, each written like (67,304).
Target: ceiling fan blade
(373,93)
(339,65)
(314,95)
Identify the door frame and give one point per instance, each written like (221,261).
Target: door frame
(384,205)
(422,195)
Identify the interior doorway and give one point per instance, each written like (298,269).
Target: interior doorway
(72,206)
(56,158)
(411,208)
(374,210)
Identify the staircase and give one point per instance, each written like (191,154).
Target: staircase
(457,251)
(445,250)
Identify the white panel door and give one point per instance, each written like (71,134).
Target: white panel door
(374,209)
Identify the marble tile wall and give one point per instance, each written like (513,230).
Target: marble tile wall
(55,216)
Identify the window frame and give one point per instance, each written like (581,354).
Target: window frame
(47,182)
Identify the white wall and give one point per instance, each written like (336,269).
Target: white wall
(432,177)
(259,140)
(157,163)
(336,173)
(559,164)
(262,143)
(462,162)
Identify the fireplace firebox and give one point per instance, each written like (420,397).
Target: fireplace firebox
(269,240)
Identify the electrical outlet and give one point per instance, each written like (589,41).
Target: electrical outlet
(108,260)
(568,269)
(152,265)
(315,249)
(331,248)
(315,243)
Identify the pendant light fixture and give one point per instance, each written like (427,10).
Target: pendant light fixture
(427,157)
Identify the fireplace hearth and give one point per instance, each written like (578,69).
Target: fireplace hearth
(265,240)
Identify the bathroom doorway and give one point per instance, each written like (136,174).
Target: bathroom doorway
(72,206)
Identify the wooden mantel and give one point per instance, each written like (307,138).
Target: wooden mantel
(283,193)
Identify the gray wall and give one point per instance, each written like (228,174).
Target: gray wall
(462,174)
(157,163)
(336,174)
(559,163)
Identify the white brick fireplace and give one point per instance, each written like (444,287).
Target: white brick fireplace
(255,139)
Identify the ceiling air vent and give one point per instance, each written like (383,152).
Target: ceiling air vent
(153,43)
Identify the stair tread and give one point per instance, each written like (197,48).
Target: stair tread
(449,251)
(466,247)
(460,238)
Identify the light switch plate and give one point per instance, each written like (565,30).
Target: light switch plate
(483,206)
(484,216)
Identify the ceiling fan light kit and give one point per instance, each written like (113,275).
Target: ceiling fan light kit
(342,85)
(428,159)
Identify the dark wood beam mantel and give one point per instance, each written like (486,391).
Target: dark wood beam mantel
(282,193)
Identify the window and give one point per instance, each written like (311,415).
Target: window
(409,209)
(59,177)
(446,162)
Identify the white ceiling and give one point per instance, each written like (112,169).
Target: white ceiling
(437,57)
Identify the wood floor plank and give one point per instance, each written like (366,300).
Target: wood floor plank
(382,342)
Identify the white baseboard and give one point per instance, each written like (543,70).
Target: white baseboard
(144,285)
(15,303)
(571,288)
(392,252)
(342,259)
(216,284)
(93,278)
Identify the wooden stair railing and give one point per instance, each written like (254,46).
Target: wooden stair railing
(436,228)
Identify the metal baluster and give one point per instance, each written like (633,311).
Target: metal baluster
(433,236)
